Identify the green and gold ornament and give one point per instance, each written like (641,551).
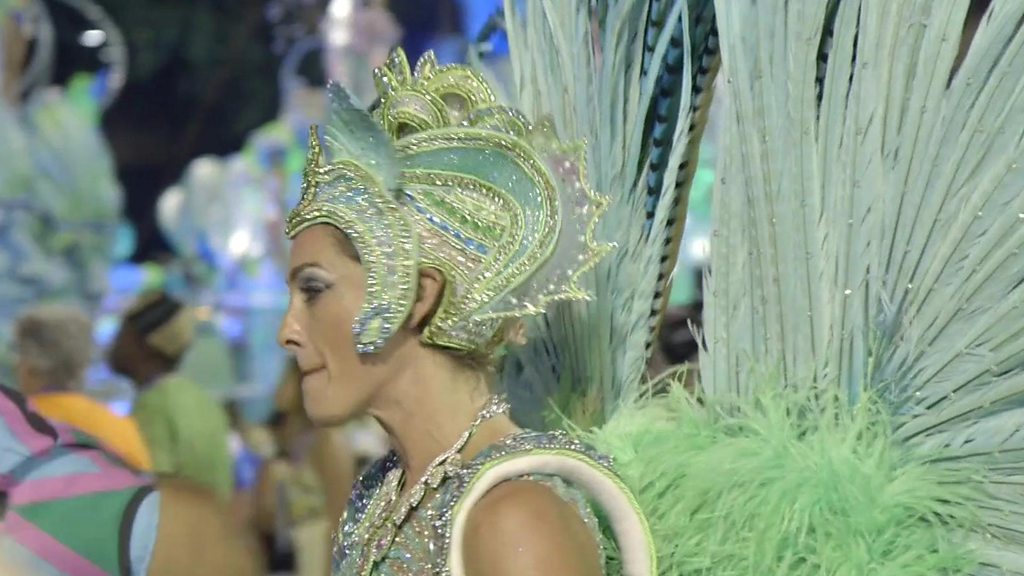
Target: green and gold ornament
(441,175)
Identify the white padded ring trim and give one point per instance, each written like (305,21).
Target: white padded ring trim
(629,526)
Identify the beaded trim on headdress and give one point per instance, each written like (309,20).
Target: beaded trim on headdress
(440,175)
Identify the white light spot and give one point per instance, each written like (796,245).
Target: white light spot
(92,38)
(700,249)
(239,242)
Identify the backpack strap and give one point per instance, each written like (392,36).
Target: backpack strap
(600,483)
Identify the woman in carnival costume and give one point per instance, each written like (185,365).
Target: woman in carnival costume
(431,227)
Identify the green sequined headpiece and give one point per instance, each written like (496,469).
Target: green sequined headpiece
(440,175)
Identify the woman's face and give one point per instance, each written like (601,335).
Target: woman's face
(326,290)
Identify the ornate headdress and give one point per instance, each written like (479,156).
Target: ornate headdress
(440,175)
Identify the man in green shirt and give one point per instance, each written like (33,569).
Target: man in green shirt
(185,429)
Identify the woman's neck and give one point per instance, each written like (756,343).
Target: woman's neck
(426,409)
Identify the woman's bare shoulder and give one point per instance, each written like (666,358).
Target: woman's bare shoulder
(525,528)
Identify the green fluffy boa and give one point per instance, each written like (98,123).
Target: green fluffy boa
(790,483)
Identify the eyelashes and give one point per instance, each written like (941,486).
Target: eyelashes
(311,289)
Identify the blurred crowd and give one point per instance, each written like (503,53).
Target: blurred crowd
(282,484)
(276,489)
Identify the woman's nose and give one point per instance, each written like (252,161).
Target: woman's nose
(289,335)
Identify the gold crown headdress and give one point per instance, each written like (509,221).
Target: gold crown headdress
(440,175)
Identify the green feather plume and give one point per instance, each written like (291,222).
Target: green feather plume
(789,483)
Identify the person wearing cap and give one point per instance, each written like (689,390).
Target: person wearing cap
(54,347)
(186,429)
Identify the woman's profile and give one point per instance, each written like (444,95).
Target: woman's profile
(426,231)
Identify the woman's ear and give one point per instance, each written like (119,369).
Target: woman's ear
(428,297)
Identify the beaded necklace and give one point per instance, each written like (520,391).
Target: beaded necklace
(388,512)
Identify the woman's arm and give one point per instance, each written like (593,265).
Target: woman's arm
(524,528)
(264,498)
(198,535)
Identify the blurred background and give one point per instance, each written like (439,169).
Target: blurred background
(200,110)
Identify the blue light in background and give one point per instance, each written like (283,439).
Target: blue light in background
(105,329)
(232,328)
(120,407)
(126,278)
(474,16)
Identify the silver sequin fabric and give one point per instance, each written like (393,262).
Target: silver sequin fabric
(421,545)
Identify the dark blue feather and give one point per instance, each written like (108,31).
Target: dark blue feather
(657,12)
(666,112)
(825,47)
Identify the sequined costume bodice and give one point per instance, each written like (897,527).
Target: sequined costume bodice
(421,545)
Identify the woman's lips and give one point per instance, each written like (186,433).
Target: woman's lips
(310,372)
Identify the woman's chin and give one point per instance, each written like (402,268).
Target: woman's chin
(322,402)
(322,418)
(325,413)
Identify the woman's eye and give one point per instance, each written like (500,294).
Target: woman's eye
(310,290)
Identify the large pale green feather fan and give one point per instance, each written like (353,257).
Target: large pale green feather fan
(867,254)
(869,249)
(790,483)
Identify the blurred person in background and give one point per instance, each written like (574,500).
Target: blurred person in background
(679,344)
(14,48)
(302,491)
(69,508)
(251,445)
(7,566)
(680,334)
(185,428)
(54,346)
(197,535)
(679,339)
